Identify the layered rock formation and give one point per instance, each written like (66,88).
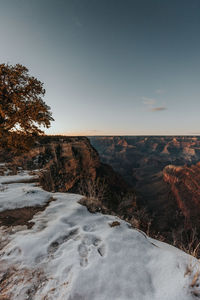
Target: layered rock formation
(184,183)
(71,164)
(130,155)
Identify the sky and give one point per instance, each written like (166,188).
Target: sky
(110,67)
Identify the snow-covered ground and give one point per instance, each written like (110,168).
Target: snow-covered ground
(17,192)
(72,254)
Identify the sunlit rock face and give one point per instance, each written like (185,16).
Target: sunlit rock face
(184,183)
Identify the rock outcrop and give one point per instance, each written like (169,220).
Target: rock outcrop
(184,185)
(70,164)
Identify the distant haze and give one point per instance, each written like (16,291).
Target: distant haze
(110,67)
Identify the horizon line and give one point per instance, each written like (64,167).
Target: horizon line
(111,135)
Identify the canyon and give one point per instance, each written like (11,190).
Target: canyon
(164,171)
(151,182)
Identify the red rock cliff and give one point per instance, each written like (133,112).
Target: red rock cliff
(185,186)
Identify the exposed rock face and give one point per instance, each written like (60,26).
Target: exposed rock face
(127,155)
(69,163)
(138,158)
(64,160)
(141,160)
(184,183)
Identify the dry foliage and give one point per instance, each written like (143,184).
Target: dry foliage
(188,242)
(22,110)
(94,192)
(93,189)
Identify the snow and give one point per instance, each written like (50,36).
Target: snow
(72,254)
(21,176)
(15,192)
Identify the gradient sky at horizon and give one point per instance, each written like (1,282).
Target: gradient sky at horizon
(110,67)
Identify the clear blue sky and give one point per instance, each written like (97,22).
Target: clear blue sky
(110,66)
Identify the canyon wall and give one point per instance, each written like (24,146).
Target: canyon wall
(184,183)
(71,164)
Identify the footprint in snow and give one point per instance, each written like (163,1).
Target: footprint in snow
(89,227)
(67,222)
(83,253)
(53,247)
(88,242)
